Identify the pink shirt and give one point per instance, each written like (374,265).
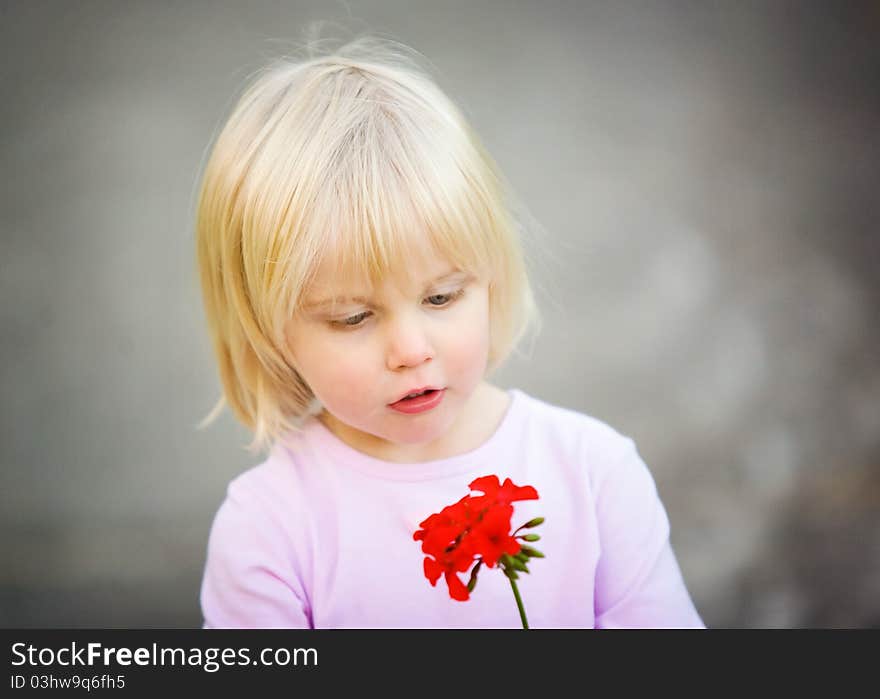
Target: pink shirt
(319,535)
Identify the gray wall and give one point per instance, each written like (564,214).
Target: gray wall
(703,179)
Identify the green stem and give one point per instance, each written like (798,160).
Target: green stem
(519,604)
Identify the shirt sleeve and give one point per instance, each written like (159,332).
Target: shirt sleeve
(249,580)
(638,580)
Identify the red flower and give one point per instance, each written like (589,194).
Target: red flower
(476,530)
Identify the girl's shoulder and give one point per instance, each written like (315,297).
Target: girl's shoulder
(271,486)
(588,447)
(568,425)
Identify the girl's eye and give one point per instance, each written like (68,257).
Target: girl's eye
(435,301)
(445,299)
(352,321)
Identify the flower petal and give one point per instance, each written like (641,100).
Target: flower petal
(457,589)
(486,484)
(433,570)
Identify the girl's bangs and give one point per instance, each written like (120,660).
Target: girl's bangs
(377,220)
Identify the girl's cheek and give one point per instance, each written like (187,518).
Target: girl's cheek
(348,365)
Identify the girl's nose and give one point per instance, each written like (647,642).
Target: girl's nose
(408,343)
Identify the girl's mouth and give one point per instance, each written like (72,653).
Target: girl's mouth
(418,404)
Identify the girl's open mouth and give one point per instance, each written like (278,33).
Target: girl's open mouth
(426,401)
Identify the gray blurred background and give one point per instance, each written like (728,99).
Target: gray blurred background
(704,182)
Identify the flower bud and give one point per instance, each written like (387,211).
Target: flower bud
(519,565)
(531,537)
(472,583)
(531,553)
(532,523)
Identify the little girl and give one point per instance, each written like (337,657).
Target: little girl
(362,277)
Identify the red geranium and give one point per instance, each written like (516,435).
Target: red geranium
(476,530)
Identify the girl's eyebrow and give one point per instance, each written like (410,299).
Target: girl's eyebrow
(309,305)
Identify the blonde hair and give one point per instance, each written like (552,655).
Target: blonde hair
(358,152)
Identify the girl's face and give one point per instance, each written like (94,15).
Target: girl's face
(370,350)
